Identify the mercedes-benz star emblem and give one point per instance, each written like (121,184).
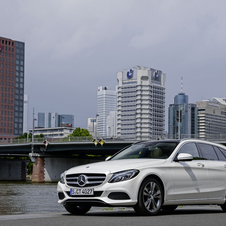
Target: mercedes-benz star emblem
(82,180)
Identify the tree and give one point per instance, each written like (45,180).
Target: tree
(80,132)
(39,136)
(24,136)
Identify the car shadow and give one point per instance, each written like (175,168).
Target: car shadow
(132,213)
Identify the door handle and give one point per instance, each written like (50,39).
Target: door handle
(200,165)
(224,166)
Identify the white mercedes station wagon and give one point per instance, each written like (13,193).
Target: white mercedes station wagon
(149,176)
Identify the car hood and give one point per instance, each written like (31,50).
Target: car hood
(115,166)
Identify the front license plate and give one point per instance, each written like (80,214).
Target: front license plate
(81,191)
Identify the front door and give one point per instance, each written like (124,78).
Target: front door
(191,177)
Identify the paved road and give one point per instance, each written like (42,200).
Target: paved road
(192,216)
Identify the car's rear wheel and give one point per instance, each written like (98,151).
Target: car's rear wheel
(150,197)
(169,208)
(76,210)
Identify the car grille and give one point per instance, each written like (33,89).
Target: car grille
(92,179)
(96,194)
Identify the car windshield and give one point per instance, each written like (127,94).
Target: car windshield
(152,150)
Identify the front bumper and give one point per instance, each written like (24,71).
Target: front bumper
(108,194)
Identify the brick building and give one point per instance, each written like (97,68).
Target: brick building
(11,88)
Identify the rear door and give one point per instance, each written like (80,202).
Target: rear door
(216,170)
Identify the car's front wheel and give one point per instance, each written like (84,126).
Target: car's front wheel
(150,197)
(76,210)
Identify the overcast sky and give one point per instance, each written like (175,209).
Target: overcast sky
(74,46)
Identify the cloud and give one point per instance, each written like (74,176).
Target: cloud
(74,46)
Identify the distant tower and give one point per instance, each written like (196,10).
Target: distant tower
(92,126)
(106,102)
(182,118)
(47,120)
(111,124)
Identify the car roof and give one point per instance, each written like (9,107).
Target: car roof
(158,141)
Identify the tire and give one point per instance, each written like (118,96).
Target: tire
(170,208)
(77,210)
(150,198)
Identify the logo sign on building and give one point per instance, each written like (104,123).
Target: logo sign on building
(157,76)
(130,73)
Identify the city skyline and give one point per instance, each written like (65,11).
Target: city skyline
(82,45)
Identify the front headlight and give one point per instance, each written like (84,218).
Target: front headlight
(123,175)
(62,178)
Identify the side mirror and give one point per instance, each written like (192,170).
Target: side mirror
(107,158)
(184,157)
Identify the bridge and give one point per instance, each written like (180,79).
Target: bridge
(51,157)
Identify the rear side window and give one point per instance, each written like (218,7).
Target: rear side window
(219,154)
(207,152)
(223,151)
(191,149)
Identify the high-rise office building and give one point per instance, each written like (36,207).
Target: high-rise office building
(111,124)
(47,120)
(51,120)
(12,88)
(182,118)
(66,120)
(106,102)
(141,103)
(92,126)
(211,118)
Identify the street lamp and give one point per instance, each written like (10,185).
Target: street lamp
(109,130)
(32,144)
(96,126)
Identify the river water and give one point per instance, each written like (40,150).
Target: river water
(27,197)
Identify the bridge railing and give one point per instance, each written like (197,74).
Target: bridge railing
(40,140)
(210,137)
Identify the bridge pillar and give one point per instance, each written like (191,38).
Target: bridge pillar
(38,174)
(13,169)
(48,169)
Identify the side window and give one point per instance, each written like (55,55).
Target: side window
(207,152)
(221,157)
(223,151)
(191,149)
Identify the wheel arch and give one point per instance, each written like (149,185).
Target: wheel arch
(156,178)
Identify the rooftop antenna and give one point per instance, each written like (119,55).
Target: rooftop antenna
(181,87)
